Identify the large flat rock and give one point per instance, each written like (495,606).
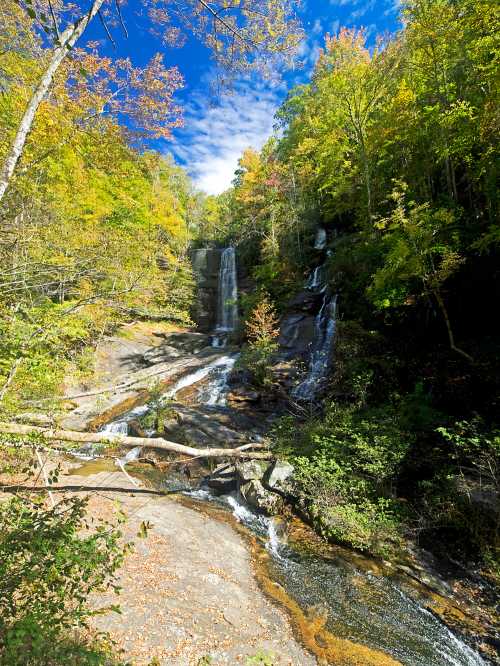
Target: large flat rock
(188,588)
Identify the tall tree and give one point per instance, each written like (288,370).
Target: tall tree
(240,36)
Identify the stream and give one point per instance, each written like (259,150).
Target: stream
(358,603)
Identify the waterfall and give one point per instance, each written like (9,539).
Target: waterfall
(215,394)
(116,428)
(320,240)
(321,353)
(316,278)
(198,375)
(227,313)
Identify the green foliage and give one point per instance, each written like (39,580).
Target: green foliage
(96,231)
(393,150)
(262,328)
(346,467)
(49,565)
(159,409)
(419,252)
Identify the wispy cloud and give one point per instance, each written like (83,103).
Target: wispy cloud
(214,137)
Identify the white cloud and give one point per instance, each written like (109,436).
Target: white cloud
(215,136)
(317,27)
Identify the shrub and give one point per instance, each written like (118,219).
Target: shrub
(50,562)
(460,503)
(346,469)
(262,328)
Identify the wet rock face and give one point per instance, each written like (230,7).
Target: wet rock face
(206,264)
(305,301)
(223,479)
(296,334)
(251,470)
(261,499)
(279,478)
(243,394)
(297,327)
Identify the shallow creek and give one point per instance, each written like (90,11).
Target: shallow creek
(337,602)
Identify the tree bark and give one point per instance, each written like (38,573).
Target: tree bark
(67,40)
(52,434)
(451,337)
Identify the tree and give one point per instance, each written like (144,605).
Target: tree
(240,37)
(262,329)
(419,250)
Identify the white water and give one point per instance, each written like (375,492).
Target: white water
(198,375)
(116,428)
(320,240)
(227,306)
(374,612)
(130,456)
(316,279)
(320,360)
(266,526)
(215,393)
(218,341)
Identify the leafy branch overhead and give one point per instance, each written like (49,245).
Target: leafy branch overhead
(240,37)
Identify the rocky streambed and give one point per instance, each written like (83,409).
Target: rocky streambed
(344,608)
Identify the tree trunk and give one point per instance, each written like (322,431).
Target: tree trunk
(67,40)
(128,442)
(451,337)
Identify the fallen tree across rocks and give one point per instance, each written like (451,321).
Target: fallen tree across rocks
(53,434)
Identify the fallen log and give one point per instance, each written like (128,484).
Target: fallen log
(53,434)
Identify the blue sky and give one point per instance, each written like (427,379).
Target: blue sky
(216,131)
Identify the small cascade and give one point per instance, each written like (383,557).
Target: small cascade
(130,456)
(116,428)
(316,279)
(361,606)
(215,393)
(274,541)
(227,306)
(198,375)
(321,353)
(89,451)
(320,240)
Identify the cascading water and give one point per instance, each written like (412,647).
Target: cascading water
(116,428)
(320,240)
(321,354)
(220,363)
(214,394)
(316,278)
(227,306)
(359,606)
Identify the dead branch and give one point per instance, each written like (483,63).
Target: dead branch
(53,434)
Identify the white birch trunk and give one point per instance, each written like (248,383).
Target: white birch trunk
(53,434)
(67,40)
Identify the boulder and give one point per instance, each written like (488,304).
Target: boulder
(297,333)
(190,418)
(170,427)
(261,499)
(285,374)
(196,438)
(242,394)
(223,479)
(279,478)
(250,470)
(305,301)
(135,429)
